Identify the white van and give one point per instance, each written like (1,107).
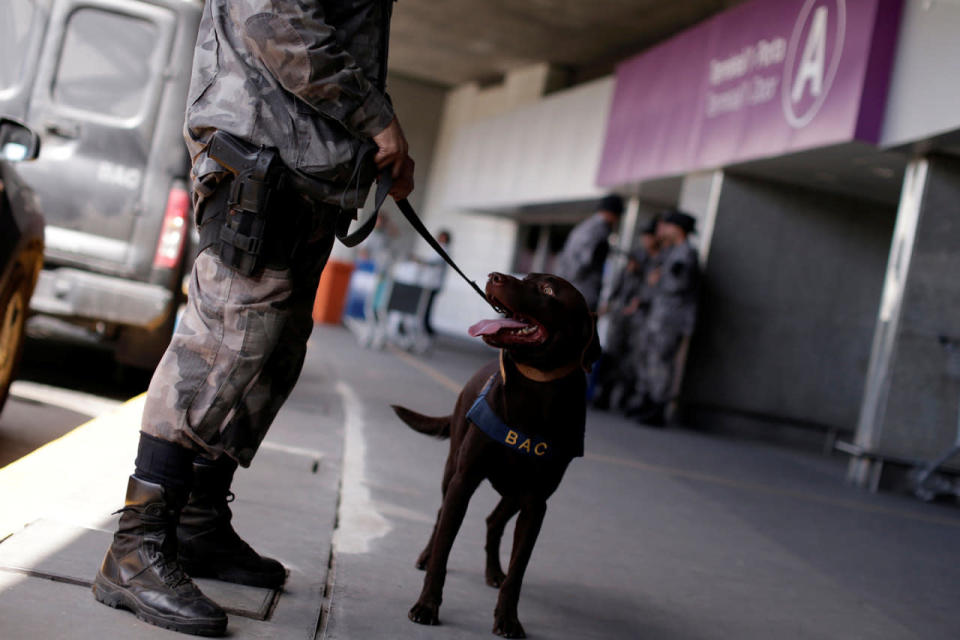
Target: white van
(104,83)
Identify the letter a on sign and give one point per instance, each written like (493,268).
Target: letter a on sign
(814,58)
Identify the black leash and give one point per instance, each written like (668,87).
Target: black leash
(417,224)
(384,182)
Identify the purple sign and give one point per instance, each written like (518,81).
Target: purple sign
(763,79)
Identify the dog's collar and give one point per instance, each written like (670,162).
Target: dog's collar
(482,415)
(536,375)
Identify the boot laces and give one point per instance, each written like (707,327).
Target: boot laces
(164,559)
(170,571)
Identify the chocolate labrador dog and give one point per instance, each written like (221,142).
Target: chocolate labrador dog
(517,423)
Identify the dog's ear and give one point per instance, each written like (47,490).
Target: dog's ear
(591,350)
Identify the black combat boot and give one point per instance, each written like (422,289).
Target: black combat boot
(653,416)
(639,407)
(140,571)
(209,547)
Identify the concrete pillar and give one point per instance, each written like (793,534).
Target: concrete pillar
(700,196)
(912,395)
(625,238)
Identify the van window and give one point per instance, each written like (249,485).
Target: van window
(16,27)
(105,62)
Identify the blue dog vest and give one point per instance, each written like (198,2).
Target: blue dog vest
(490,423)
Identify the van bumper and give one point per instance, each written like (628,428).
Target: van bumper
(72,293)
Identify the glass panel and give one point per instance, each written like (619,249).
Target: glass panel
(105,62)
(16,25)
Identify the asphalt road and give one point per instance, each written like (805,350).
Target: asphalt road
(659,534)
(60,386)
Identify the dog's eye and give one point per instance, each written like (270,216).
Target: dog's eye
(547,289)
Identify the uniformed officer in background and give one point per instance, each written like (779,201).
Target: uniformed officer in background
(584,253)
(673,308)
(294,90)
(626,311)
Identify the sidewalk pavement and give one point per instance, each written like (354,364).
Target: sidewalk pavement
(654,534)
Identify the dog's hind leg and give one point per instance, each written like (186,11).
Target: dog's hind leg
(506,623)
(496,522)
(461,488)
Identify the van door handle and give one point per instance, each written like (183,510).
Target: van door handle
(62,128)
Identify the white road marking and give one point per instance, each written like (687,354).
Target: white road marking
(286,448)
(359,522)
(83,403)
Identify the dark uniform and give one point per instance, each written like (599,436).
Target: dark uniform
(302,80)
(616,371)
(584,253)
(673,308)
(581,261)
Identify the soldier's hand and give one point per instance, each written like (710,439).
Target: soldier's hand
(403,184)
(391,149)
(654,277)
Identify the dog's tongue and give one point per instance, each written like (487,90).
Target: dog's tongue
(487,327)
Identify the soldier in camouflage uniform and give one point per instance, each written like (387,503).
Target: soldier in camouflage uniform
(305,78)
(585,251)
(626,308)
(673,308)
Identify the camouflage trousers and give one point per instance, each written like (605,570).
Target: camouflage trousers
(237,351)
(656,363)
(616,370)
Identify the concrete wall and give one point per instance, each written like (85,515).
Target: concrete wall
(481,243)
(419,107)
(545,152)
(919,401)
(789,303)
(698,197)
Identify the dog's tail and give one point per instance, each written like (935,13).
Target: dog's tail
(436,427)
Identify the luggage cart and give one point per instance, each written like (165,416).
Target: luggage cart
(929,482)
(399,311)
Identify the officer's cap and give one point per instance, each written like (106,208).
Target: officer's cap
(683,220)
(612,203)
(651,228)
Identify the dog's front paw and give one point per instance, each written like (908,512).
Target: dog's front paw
(495,577)
(508,626)
(426,614)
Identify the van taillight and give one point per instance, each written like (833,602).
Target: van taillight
(174,230)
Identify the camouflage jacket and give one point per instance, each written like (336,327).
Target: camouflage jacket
(304,76)
(674,303)
(583,255)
